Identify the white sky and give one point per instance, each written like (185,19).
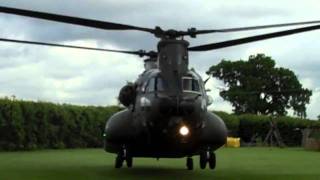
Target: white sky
(94,78)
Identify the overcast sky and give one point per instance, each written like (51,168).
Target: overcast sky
(94,78)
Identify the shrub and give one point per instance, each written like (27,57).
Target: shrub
(231,121)
(28,125)
(248,126)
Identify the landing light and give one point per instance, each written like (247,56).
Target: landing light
(184,130)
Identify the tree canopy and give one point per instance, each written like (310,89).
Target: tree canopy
(257,86)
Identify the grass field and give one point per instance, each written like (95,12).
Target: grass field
(243,163)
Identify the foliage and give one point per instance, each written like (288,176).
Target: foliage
(231,121)
(39,125)
(28,125)
(256,86)
(250,125)
(315,133)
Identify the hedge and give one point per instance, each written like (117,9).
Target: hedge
(231,121)
(258,126)
(27,125)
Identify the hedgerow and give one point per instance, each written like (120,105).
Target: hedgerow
(27,125)
(257,126)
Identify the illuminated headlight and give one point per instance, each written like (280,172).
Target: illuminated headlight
(184,130)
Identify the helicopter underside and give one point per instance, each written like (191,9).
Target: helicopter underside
(143,141)
(161,150)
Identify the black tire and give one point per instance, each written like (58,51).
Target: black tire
(129,162)
(119,162)
(190,163)
(212,161)
(203,160)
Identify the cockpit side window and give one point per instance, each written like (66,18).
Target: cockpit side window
(161,84)
(190,84)
(150,87)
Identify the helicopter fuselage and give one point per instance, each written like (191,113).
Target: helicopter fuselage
(142,140)
(168,115)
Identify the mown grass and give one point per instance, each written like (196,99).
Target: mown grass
(243,163)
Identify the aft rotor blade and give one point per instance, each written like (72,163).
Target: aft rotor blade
(245,40)
(72,20)
(139,53)
(255,27)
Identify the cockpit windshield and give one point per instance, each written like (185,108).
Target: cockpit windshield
(190,84)
(156,84)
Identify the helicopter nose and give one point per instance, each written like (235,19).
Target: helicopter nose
(166,106)
(174,105)
(186,107)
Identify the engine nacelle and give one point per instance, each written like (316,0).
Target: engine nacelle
(128,94)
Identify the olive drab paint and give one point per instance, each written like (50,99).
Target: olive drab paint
(168,116)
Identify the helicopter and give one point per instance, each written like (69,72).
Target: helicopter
(166,114)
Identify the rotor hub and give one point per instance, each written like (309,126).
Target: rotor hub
(172,33)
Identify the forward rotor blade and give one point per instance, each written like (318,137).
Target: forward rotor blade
(139,53)
(73,20)
(245,40)
(255,27)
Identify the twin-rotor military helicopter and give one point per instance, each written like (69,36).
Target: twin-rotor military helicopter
(166,112)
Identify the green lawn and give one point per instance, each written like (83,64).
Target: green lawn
(243,163)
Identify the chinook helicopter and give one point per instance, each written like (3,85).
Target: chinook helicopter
(166,113)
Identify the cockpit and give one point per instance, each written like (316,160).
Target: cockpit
(189,84)
(155,84)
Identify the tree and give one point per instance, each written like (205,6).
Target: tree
(257,86)
(319,117)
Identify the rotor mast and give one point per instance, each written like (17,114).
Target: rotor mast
(173,61)
(173,56)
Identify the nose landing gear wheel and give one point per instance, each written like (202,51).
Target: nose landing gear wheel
(189,163)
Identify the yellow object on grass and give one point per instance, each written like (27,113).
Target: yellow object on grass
(233,142)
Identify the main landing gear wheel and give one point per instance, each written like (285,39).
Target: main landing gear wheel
(203,160)
(119,162)
(212,160)
(189,163)
(129,160)
(207,157)
(123,156)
